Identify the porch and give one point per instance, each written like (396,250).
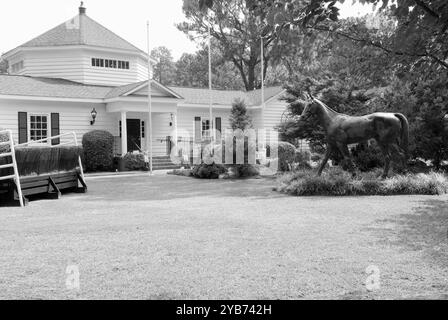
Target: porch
(132,129)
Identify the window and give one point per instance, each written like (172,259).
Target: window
(38,127)
(205,128)
(17,67)
(108,63)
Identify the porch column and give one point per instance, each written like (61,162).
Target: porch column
(124,134)
(175,129)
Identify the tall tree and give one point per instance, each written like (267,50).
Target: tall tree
(192,71)
(238,32)
(164,69)
(420,37)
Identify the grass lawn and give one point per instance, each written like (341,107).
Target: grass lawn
(170,237)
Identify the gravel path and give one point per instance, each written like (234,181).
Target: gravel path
(167,237)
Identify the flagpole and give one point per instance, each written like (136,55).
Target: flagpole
(262,82)
(149,133)
(210,83)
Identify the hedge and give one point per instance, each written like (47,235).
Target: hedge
(43,160)
(98,150)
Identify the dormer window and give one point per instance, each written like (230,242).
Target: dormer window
(17,67)
(111,64)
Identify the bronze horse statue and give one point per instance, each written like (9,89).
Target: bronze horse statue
(390,130)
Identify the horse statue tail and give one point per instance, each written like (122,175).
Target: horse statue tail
(404,143)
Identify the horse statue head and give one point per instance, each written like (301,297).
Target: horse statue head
(313,108)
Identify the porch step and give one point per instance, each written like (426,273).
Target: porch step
(163,163)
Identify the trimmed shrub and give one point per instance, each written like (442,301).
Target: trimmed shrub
(336,182)
(245,171)
(286,156)
(98,150)
(205,171)
(240,119)
(135,162)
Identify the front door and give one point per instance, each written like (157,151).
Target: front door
(134,134)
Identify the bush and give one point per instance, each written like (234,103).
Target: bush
(336,182)
(135,162)
(240,119)
(367,158)
(286,156)
(302,160)
(205,171)
(245,171)
(98,150)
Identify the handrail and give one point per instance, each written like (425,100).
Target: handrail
(47,139)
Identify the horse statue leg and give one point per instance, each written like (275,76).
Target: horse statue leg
(324,161)
(387,159)
(400,153)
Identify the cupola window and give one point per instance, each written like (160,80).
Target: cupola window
(110,64)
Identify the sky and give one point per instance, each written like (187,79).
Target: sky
(22,20)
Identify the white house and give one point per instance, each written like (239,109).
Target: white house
(57,79)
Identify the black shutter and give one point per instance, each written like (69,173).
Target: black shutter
(197,129)
(23,127)
(55,129)
(218,128)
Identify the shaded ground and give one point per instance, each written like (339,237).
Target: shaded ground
(169,237)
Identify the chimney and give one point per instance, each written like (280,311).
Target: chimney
(82,9)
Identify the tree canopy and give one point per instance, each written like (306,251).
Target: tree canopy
(164,69)
(237,31)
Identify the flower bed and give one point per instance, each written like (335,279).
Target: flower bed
(335,182)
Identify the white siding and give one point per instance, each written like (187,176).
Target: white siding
(185,118)
(273,113)
(73,117)
(76,65)
(54,64)
(109,76)
(141,67)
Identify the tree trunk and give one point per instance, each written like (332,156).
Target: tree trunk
(250,78)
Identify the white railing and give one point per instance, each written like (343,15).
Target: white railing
(13,165)
(72,141)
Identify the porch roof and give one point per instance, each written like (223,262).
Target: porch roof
(225,97)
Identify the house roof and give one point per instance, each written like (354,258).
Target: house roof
(60,88)
(225,97)
(81,30)
(48,87)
